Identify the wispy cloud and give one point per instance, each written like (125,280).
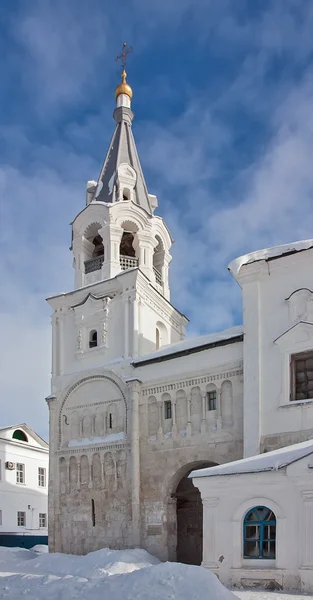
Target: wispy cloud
(228,153)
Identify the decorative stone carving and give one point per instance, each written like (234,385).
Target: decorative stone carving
(301,306)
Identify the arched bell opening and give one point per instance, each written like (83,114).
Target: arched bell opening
(93,248)
(128,258)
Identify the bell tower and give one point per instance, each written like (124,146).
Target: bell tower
(119,309)
(118,230)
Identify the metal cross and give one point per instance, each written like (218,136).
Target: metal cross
(123,56)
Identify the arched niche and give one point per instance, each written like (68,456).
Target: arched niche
(227,403)
(167,412)
(161,335)
(153,418)
(196,408)
(181,410)
(87,398)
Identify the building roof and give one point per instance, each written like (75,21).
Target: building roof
(27,430)
(269,461)
(268,254)
(122,149)
(192,345)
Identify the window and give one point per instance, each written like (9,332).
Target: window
(41,477)
(93,514)
(168,409)
(301,376)
(18,434)
(42,520)
(110,421)
(21,519)
(20,473)
(157,339)
(93,339)
(211,396)
(259,533)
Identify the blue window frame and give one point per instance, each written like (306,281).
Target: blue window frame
(259,533)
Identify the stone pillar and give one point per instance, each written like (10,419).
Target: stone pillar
(102,469)
(78,473)
(90,471)
(160,428)
(174,425)
(135,326)
(54,478)
(134,395)
(209,532)
(60,345)
(126,327)
(189,424)
(203,422)
(219,408)
(307,517)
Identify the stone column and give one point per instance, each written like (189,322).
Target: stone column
(102,469)
(160,428)
(189,424)
(174,425)
(307,518)
(126,327)
(209,532)
(134,395)
(203,422)
(90,471)
(219,408)
(78,472)
(54,477)
(135,326)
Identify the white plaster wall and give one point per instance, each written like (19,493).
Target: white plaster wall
(227,499)
(270,419)
(17,497)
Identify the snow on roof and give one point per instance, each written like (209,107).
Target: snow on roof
(270,461)
(191,343)
(268,253)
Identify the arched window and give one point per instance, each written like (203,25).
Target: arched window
(259,533)
(18,434)
(93,339)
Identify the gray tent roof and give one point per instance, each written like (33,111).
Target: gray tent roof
(122,149)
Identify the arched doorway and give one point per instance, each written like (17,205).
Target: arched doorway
(189,519)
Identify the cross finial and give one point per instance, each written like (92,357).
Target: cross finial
(123,56)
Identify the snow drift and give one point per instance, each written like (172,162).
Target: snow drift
(103,575)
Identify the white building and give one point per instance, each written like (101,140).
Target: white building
(24,460)
(239,498)
(133,407)
(258,516)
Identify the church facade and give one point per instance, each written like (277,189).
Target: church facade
(134,408)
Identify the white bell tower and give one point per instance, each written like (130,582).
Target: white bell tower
(121,254)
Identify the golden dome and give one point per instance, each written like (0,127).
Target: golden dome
(124,88)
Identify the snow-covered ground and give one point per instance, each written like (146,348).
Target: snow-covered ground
(110,575)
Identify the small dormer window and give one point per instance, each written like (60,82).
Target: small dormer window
(18,434)
(93,339)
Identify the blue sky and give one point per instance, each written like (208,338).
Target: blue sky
(223,102)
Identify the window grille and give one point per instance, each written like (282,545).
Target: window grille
(259,533)
(20,473)
(301,376)
(41,477)
(168,409)
(42,520)
(21,519)
(211,396)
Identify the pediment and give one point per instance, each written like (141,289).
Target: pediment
(91,304)
(300,334)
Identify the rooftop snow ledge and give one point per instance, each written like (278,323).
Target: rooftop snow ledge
(190,345)
(269,461)
(267,254)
